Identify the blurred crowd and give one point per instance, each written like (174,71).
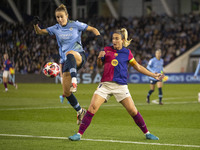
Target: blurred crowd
(173,35)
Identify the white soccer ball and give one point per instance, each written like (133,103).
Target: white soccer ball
(51,69)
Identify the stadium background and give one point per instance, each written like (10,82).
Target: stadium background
(171,25)
(32,117)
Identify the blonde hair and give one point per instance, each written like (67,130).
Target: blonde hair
(6,55)
(123,32)
(158,50)
(62,7)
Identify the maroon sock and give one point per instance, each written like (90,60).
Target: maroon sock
(5,85)
(10,83)
(140,122)
(85,122)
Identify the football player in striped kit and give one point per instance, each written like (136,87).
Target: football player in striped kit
(6,73)
(115,60)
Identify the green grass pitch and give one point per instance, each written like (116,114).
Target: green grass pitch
(35,110)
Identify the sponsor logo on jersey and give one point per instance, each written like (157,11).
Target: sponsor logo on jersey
(114,62)
(65,36)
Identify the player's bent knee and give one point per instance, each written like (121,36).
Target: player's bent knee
(70,52)
(5,80)
(132,111)
(67,93)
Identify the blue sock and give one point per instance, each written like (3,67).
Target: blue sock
(160,94)
(149,93)
(73,102)
(70,65)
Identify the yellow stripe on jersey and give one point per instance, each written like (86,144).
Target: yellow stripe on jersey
(133,61)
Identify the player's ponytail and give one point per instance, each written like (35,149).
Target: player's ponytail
(125,34)
(62,7)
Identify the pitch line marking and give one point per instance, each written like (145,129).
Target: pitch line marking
(101,140)
(55,107)
(155,101)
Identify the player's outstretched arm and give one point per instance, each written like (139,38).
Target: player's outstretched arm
(40,31)
(37,29)
(143,70)
(99,38)
(93,30)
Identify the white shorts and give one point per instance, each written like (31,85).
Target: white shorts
(107,89)
(6,74)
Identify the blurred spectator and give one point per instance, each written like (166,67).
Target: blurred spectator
(173,35)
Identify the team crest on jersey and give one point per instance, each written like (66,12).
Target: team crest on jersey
(70,29)
(115,54)
(114,62)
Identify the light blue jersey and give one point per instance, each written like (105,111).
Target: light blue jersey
(197,69)
(154,66)
(68,37)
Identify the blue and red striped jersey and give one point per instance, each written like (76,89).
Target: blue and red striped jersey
(116,65)
(7,65)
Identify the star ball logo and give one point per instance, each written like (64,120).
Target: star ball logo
(114,62)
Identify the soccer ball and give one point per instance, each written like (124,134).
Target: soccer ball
(51,69)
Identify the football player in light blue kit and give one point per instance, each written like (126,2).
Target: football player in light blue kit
(155,65)
(72,55)
(197,69)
